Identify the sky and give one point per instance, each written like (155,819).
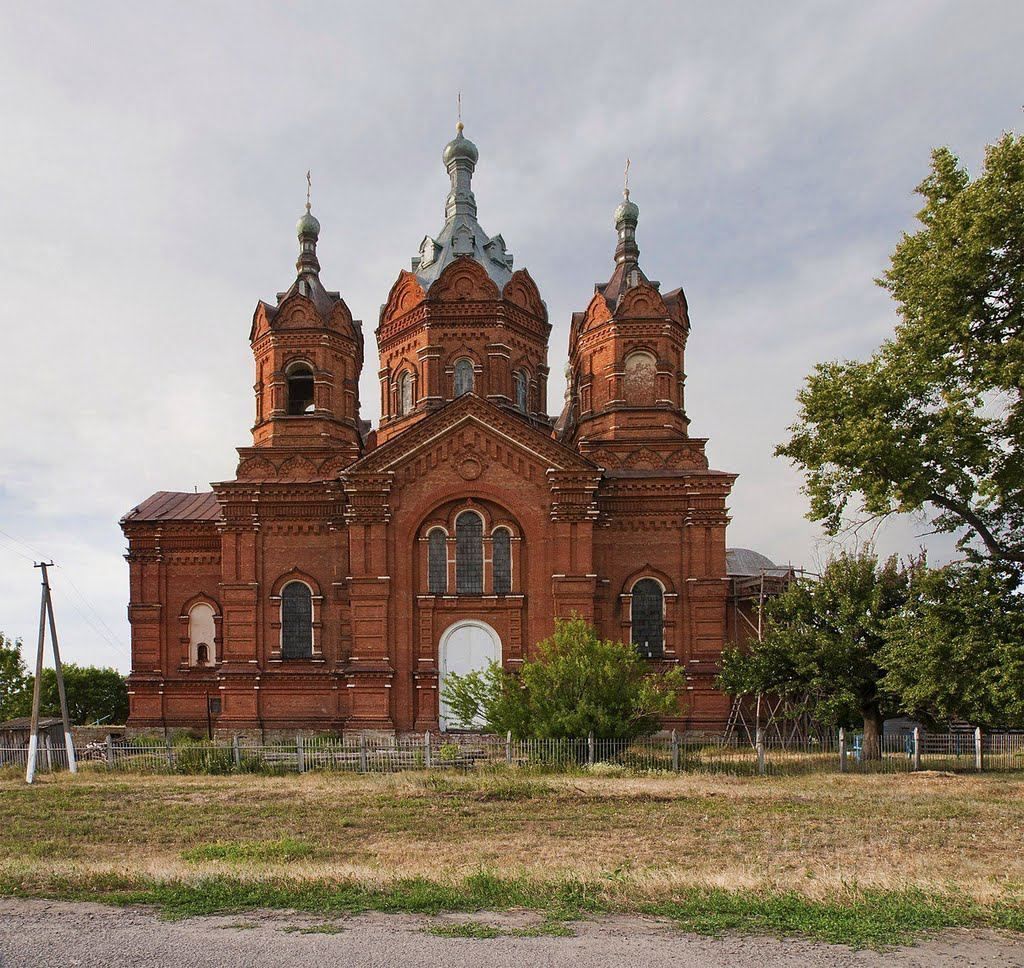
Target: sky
(153,166)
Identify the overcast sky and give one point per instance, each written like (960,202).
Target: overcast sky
(153,165)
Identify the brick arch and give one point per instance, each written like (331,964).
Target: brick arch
(201,598)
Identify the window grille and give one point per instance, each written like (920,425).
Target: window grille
(437,562)
(296,621)
(501,550)
(522,390)
(463,377)
(469,554)
(405,394)
(648,621)
(300,390)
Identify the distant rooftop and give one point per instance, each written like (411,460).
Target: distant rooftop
(745,563)
(176,506)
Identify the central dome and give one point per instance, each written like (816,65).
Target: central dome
(460,147)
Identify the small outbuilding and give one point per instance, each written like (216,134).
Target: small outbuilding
(14,739)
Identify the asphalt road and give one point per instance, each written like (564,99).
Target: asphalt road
(48,934)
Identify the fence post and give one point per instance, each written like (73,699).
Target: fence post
(300,753)
(110,751)
(762,767)
(590,748)
(979,763)
(917,748)
(427,754)
(362,753)
(675,751)
(842,749)
(170,755)
(508,747)
(236,752)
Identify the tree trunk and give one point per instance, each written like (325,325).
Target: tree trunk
(873,720)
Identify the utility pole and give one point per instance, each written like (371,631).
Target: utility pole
(46,614)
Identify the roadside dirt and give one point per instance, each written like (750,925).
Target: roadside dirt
(47,934)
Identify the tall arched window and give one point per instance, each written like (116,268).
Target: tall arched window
(522,390)
(300,389)
(463,377)
(296,621)
(501,553)
(437,562)
(405,394)
(469,554)
(640,377)
(647,614)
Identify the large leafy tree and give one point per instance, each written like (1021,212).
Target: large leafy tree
(822,645)
(956,649)
(15,682)
(934,420)
(575,684)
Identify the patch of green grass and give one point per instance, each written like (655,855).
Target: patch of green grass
(474,929)
(325,928)
(859,918)
(265,851)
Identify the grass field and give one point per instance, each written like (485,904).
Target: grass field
(865,859)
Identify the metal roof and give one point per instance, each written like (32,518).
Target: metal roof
(747,563)
(176,506)
(462,234)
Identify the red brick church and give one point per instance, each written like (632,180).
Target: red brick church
(345,571)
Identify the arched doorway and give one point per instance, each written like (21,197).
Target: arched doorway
(465,647)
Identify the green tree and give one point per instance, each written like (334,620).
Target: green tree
(576,684)
(94,694)
(955,651)
(15,682)
(822,645)
(934,420)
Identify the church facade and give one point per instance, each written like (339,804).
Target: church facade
(345,571)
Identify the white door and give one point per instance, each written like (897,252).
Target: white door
(466,647)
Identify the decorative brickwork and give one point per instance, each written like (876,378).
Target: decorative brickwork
(331,562)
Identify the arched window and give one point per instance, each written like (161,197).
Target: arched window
(437,562)
(640,377)
(296,621)
(522,390)
(469,554)
(201,632)
(463,377)
(300,389)
(501,552)
(648,618)
(405,394)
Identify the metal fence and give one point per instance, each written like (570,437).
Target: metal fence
(767,756)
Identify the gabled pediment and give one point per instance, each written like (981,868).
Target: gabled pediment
(406,294)
(523,291)
(471,411)
(463,278)
(641,302)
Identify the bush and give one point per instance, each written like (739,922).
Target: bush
(576,685)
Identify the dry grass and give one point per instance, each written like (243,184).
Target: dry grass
(814,835)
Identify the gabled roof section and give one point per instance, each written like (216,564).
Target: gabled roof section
(176,506)
(469,408)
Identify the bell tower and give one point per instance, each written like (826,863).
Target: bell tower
(309,353)
(462,321)
(626,360)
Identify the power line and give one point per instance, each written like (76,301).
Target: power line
(105,633)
